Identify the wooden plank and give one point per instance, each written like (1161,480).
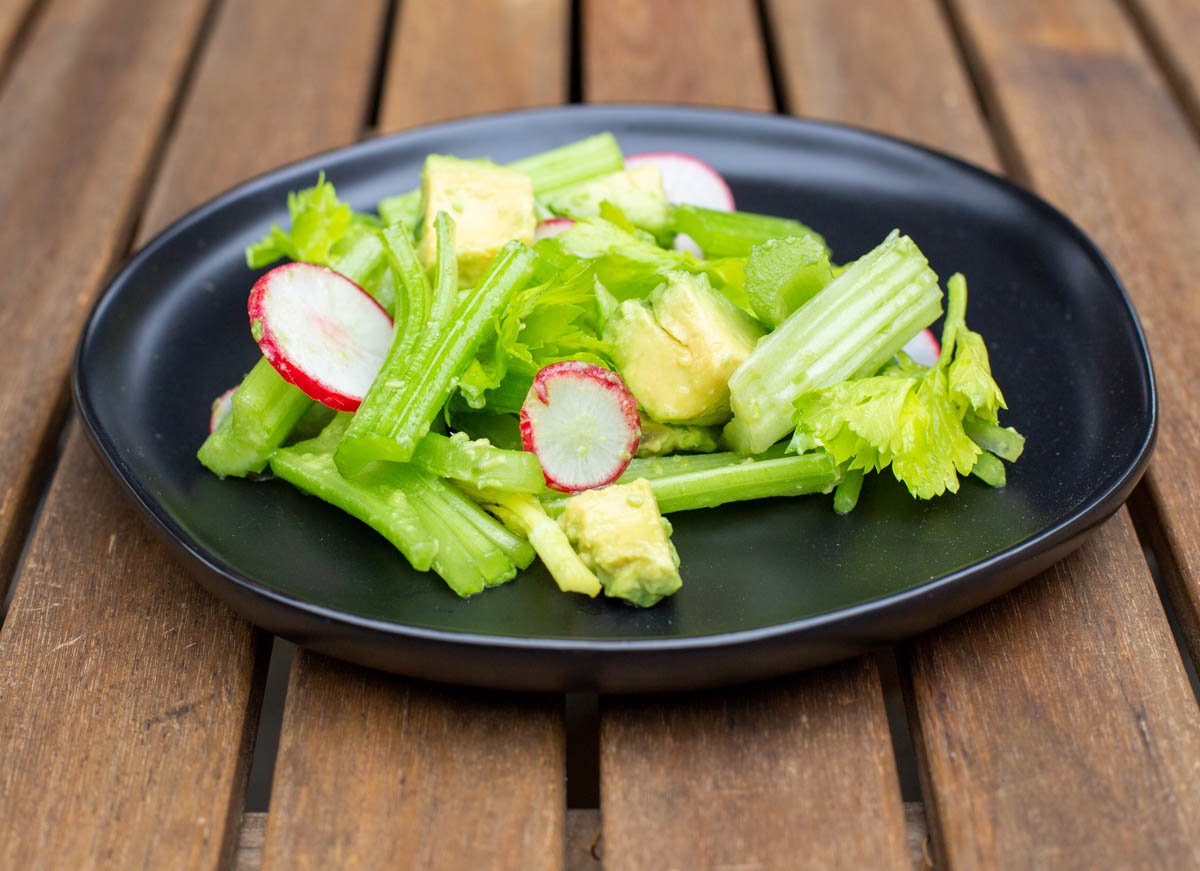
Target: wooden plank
(375,771)
(655,51)
(1173,28)
(78,126)
(796,773)
(425,776)
(143,744)
(13,15)
(473,56)
(248,856)
(1000,724)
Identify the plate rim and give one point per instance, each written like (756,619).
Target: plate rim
(1066,533)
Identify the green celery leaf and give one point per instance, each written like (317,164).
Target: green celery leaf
(321,227)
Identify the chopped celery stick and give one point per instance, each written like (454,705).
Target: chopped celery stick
(733,234)
(567,165)
(523,514)
(479,463)
(502,430)
(1003,441)
(990,470)
(848,330)
(845,495)
(783,274)
(659,439)
(381,499)
(411,389)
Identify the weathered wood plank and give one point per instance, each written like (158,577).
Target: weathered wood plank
(13,13)
(473,56)
(795,773)
(375,771)
(424,776)
(143,742)
(655,51)
(1173,27)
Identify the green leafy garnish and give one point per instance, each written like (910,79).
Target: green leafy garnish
(320,221)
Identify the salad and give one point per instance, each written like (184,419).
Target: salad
(541,360)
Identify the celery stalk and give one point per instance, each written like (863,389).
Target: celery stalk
(848,330)
(479,463)
(990,470)
(410,389)
(1003,441)
(845,495)
(733,234)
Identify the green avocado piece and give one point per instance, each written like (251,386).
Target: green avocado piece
(637,192)
(490,205)
(783,274)
(677,350)
(620,535)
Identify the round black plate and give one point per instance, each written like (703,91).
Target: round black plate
(769,587)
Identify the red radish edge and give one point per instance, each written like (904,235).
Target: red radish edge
(712,192)
(551,227)
(364,344)
(924,348)
(221,406)
(539,402)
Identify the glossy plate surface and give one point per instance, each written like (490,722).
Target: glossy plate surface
(769,587)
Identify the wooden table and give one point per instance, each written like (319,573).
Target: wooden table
(1057,727)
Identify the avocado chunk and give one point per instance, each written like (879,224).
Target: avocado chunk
(637,192)
(677,350)
(489,204)
(784,274)
(660,439)
(620,535)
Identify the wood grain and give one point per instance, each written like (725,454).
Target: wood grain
(375,771)
(796,773)
(80,115)
(792,774)
(425,777)
(1173,28)
(473,56)
(13,14)
(653,51)
(142,743)
(1003,724)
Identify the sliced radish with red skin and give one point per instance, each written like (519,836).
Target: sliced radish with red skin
(221,406)
(924,348)
(688,179)
(321,332)
(551,227)
(582,423)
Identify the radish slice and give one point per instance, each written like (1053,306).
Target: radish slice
(321,332)
(688,179)
(551,227)
(924,348)
(221,406)
(582,423)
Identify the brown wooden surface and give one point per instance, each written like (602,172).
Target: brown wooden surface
(461,779)
(472,56)
(1173,29)
(13,15)
(375,771)
(709,52)
(798,763)
(81,113)
(155,684)
(796,773)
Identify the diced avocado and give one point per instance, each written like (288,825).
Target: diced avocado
(783,274)
(490,205)
(637,192)
(621,536)
(677,350)
(660,439)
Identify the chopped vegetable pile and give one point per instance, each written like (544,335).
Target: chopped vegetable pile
(542,359)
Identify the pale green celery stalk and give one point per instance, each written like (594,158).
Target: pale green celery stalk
(569,164)
(851,328)
(381,499)
(467,513)
(265,406)
(411,390)
(735,479)
(989,469)
(479,463)
(845,496)
(733,234)
(651,468)
(1003,441)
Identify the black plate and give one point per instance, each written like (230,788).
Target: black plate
(769,587)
